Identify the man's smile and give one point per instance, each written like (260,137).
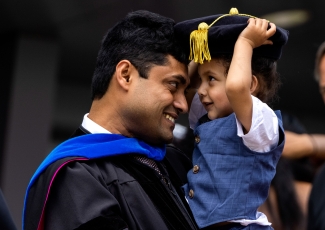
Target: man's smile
(169,117)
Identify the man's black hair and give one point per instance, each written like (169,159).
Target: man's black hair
(142,37)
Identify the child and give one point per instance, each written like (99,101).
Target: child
(240,139)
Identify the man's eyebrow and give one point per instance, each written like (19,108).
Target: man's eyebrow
(180,78)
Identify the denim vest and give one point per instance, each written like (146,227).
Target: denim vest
(228,181)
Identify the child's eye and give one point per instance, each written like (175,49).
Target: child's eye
(211,78)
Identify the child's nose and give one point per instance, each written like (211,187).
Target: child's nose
(201,90)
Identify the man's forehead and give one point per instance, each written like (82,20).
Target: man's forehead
(181,68)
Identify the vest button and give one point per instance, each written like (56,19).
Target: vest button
(191,193)
(196,169)
(197,139)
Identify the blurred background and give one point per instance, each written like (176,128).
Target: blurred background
(48,52)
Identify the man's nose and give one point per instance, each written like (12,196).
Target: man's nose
(180,103)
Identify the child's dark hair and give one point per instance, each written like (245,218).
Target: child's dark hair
(265,71)
(142,37)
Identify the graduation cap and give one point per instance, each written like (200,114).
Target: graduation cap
(213,35)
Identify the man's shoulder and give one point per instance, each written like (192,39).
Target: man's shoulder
(106,169)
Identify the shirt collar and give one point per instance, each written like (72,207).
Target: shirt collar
(92,126)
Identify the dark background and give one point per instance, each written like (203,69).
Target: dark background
(77,28)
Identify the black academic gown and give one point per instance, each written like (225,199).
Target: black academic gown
(112,193)
(316,206)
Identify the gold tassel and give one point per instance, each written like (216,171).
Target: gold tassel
(199,50)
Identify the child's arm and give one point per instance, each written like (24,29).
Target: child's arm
(240,82)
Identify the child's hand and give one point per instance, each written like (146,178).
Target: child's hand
(256,32)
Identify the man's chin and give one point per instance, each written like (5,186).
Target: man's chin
(159,140)
(167,140)
(170,140)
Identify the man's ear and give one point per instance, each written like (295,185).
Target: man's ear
(254,85)
(125,73)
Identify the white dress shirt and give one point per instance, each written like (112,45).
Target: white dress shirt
(92,126)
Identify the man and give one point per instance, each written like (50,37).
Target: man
(312,145)
(316,208)
(111,174)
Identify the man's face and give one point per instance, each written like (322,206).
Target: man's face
(322,77)
(156,102)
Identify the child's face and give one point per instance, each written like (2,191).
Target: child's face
(212,91)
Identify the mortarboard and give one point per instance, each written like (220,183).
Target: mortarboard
(213,35)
